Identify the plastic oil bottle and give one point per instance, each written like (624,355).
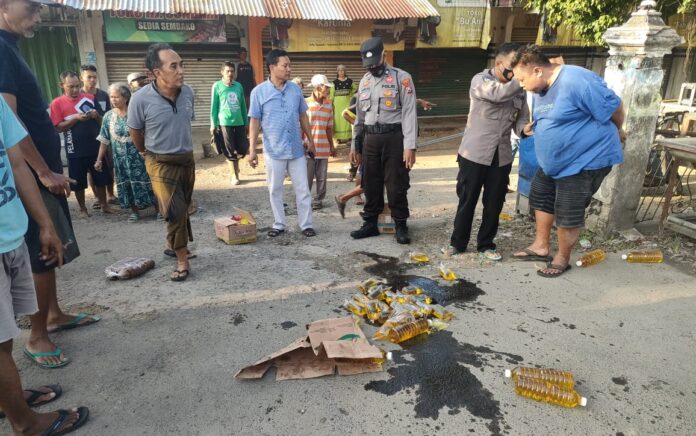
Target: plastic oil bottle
(407,331)
(353,307)
(651,256)
(419,257)
(591,258)
(560,378)
(447,273)
(548,393)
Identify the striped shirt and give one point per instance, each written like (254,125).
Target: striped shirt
(321,123)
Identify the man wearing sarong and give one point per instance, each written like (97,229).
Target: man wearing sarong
(159,120)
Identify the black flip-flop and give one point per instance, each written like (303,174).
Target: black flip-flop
(309,232)
(552,266)
(171,253)
(83,414)
(56,390)
(341,207)
(275,232)
(529,256)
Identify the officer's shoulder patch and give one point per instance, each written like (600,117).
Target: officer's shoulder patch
(406,83)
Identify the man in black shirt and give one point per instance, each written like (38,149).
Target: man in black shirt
(19,87)
(102,104)
(245,74)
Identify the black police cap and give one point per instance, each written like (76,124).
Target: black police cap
(371,51)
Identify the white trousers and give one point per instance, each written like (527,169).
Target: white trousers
(297,168)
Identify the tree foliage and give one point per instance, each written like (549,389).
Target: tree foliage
(591,18)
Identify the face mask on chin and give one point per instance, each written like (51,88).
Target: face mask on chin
(377,70)
(508,74)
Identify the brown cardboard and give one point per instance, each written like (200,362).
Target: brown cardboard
(330,345)
(385,223)
(235,234)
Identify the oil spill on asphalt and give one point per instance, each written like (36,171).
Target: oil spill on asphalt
(395,273)
(238,318)
(287,325)
(436,368)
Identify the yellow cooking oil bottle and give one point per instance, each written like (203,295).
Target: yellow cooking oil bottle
(591,258)
(651,256)
(407,331)
(560,378)
(548,393)
(419,257)
(447,273)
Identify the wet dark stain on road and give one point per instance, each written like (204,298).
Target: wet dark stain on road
(550,321)
(238,318)
(287,325)
(436,368)
(395,273)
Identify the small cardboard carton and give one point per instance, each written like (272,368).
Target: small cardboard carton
(385,223)
(330,345)
(234,233)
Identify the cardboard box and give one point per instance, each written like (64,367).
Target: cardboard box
(330,345)
(233,233)
(385,223)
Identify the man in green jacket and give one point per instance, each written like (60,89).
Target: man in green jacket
(228,119)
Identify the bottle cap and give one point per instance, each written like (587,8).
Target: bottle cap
(624,256)
(508,373)
(583,401)
(578,263)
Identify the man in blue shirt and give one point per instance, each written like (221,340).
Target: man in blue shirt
(17,294)
(279,108)
(19,87)
(577,124)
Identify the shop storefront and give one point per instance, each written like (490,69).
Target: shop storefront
(203,41)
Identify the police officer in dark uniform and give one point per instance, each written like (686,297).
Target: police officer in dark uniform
(386,114)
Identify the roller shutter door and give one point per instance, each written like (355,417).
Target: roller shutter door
(202,69)
(443,77)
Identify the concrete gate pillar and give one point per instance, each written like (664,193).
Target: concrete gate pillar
(634,72)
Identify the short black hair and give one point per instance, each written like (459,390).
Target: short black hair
(273,56)
(242,50)
(227,64)
(506,48)
(68,73)
(152,58)
(530,54)
(88,68)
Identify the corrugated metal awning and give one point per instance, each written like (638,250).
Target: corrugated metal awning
(294,9)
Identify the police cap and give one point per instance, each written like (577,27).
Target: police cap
(371,51)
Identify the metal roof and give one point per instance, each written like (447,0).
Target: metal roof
(294,9)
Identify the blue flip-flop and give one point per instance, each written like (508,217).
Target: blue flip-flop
(55,353)
(77,322)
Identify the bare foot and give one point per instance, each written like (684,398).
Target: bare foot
(537,250)
(84,213)
(106,209)
(44,345)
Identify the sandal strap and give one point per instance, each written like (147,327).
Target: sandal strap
(62,416)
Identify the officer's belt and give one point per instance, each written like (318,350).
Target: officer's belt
(377,129)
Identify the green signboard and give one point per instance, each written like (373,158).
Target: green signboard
(126,26)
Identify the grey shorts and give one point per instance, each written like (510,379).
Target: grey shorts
(567,197)
(17,294)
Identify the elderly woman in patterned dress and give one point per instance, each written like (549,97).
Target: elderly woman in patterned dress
(134,187)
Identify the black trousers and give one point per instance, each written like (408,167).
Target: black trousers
(471,179)
(383,165)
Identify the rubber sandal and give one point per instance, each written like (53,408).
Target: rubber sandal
(491,255)
(55,353)
(553,267)
(82,413)
(96,206)
(341,207)
(133,217)
(530,256)
(56,390)
(275,232)
(77,322)
(309,232)
(171,253)
(182,275)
